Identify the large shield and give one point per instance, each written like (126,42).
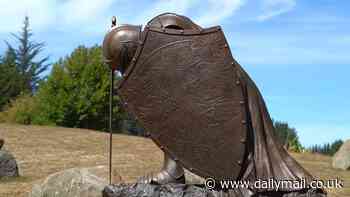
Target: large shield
(184,88)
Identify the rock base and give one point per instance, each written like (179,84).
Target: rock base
(187,190)
(8,165)
(169,190)
(75,182)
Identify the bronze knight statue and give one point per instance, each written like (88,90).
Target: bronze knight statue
(198,105)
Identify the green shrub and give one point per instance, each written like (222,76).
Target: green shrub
(287,136)
(76,93)
(20,110)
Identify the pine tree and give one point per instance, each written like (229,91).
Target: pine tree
(29,65)
(10,79)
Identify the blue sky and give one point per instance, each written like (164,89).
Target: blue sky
(296,51)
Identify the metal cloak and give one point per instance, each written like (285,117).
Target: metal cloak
(184,87)
(202,108)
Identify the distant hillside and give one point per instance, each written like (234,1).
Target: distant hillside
(41,151)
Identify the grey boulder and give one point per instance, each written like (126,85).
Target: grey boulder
(8,165)
(76,182)
(341,160)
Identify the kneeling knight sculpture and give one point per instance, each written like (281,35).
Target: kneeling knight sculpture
(199,106)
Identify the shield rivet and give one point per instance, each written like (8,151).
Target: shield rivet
(238,82)
(241,102)
(191,169)
(232,63)
(243,141)
(244,122)
(161,147)
(239,162)
(226,45)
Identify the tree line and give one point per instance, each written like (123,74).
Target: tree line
(327,148)
(76,91)
(287,136)
(74,94)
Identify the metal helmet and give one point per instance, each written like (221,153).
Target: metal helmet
(119,45)
(173,21)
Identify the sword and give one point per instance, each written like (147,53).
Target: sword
(111,92)
(110,124)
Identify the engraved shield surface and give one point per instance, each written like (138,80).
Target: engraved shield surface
(183,87)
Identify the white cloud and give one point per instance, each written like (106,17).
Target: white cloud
(94,15)
(219,10)
(272,8)
(214,11)
(46,14)
(81,11)
(12,13)
(161,6)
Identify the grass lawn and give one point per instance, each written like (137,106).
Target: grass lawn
(42,150)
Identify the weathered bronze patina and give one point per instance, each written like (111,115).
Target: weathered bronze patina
(200,107)
(189,98)
(120,45)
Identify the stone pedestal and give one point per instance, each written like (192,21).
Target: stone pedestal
(188,190)
(143,190)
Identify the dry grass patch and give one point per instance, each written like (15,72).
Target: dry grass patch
(320,166)
(41,151)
